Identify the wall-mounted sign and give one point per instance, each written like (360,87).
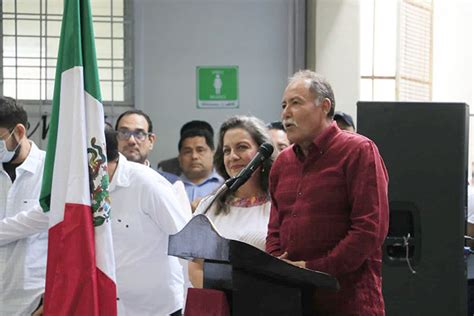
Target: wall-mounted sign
(217,87)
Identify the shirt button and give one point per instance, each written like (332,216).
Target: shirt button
(294,215)
(300,194)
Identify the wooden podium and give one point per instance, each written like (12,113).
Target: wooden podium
(254,282)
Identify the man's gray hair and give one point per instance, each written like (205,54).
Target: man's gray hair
(318,86)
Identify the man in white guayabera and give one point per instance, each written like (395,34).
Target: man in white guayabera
(23,262)
(145,212)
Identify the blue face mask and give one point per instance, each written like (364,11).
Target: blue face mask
(5,154)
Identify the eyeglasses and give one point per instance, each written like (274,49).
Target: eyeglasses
(9,133)
(125,134)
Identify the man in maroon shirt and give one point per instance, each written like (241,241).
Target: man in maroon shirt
(329,200)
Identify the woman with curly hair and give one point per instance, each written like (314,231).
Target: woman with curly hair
(242,215)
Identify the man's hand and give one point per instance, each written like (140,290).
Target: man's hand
(300,264)
(195,203)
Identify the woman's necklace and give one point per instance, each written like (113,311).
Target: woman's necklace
(248,201)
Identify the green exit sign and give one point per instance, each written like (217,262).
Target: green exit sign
(217,87)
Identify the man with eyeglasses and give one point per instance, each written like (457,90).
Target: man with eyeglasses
(149,282)
(23,262)
(136,138)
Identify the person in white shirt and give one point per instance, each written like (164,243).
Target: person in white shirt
(136,139)
(244,214)
(23,262)
(145,211)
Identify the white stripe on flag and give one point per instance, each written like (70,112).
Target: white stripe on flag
(70,182)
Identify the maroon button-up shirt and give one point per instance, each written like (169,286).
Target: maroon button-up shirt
(330,209)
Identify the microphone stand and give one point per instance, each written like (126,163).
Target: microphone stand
(224,188)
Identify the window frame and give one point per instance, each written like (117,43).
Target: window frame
(397,76)
(43,105)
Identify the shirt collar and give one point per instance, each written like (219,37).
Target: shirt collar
(320,142)
(214,176)
(121,176)
(32,160)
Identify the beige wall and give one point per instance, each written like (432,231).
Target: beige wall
(333,48)
(453,64)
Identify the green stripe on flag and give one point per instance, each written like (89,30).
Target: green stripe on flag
(76,48)
(91,76)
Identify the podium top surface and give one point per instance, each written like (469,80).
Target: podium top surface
(200,239)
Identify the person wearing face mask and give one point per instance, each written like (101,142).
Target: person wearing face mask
(244,214)
(22,263)
(145,212)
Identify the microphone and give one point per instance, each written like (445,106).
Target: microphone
(265,151)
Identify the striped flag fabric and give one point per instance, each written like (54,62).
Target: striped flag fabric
(80,276)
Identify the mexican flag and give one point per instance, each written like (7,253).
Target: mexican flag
(80,276)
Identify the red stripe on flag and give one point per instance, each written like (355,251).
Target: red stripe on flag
(72,278)
(108,293)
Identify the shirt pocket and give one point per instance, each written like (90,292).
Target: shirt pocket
(27,204)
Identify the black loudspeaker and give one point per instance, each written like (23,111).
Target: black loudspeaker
(425,149)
